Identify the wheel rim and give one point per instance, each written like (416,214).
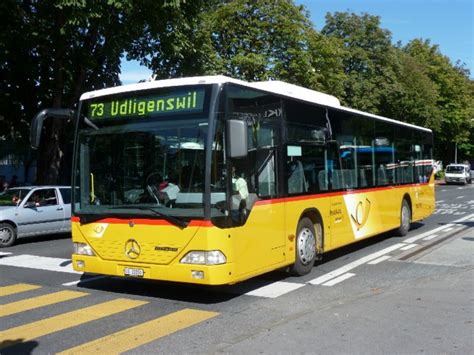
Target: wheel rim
(5,235)
(306,246)
(405,217)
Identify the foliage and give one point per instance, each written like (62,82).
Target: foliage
(366,60)
(454,102)
(171,40)
(261,40)
(440,175)
(413,96)
(327,58)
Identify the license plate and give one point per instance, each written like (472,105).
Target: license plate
(128,271)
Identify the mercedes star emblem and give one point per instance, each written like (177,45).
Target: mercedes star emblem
(132,249)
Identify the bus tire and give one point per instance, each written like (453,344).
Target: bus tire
(7,235)
(405,219)
(305,246)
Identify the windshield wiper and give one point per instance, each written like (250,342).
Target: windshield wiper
(174,220)
(87,218)
(90,124)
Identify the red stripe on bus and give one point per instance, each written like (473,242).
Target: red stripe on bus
(146,221)
(337,193)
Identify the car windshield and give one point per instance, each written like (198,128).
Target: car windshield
(455,169)
(13,197)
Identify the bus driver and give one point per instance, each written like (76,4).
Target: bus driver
(239,185)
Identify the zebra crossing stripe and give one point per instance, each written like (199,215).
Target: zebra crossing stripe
(40,301)
(34,330)
(39,263)
(11,290)
(275,289)
(141,334)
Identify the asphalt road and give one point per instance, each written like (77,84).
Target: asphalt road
(384,295)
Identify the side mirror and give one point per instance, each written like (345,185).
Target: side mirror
(29,205)
(237,144)
(37,123)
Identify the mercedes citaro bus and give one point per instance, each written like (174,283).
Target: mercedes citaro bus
(212,180)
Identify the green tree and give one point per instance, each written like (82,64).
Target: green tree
(455,99)
(327,55)
(368,52)
(261,40)
(413,96)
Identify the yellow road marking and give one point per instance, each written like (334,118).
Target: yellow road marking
(40,301)
(133,337)
(10,290)
(67,320)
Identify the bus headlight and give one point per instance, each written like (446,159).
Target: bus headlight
(201,257)
(83,249)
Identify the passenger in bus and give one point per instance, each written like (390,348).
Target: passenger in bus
(240,195)
(169,192)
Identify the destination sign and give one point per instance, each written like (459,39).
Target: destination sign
(189,101)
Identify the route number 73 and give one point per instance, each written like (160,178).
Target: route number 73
(97,110)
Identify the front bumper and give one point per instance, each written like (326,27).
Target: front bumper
(177,272)
(462,180)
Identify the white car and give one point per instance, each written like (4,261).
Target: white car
(34,210)
(458,173)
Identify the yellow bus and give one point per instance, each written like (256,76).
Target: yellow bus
(212,180)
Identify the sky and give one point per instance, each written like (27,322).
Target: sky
(447,23)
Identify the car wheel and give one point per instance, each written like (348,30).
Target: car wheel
(305,245)
(405,219)
(7,235)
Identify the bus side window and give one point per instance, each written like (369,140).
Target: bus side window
(305,164)
(323,180)
(296,179)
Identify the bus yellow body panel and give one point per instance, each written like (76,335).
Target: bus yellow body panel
(265,242)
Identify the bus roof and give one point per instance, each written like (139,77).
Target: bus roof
(275,87)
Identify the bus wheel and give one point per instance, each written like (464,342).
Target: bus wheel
(305,246)
(7,235)
(405,219)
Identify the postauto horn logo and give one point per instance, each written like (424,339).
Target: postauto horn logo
(361,213)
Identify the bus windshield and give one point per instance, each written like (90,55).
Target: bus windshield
(141,166)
